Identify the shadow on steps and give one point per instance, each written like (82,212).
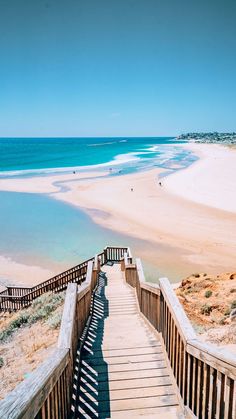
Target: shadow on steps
(91,386)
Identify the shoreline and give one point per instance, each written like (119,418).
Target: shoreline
(214,189)
(150,212)
(203,235)
(13,272)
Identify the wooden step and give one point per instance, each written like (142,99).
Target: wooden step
(123,370)
(126,404)
(124,359)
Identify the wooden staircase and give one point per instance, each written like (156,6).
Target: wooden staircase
(126,349)
(123,369)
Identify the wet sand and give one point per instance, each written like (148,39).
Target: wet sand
(193,212)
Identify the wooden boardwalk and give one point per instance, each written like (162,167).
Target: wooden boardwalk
(125,349)
(123,369)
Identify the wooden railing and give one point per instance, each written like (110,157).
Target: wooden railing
(114,254)
(47,393)
(204,375)
(16,298)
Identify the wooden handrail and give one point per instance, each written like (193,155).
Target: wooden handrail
(66,335)
(29,396)
(40,392)
(177,312)
(16,298)
(47,392)
(205,376)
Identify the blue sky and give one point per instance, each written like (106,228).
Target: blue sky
(117,68)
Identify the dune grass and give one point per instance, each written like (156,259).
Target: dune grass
(42,309)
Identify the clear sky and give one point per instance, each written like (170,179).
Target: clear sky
(117,67)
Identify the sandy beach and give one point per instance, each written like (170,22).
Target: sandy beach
(193,212)
(12,271)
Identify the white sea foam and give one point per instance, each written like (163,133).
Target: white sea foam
(166,153)
(100,144)
(118,160)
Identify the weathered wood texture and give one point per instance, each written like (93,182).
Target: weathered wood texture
(47,392)
(123,367)
(16,298)
(127,366)
(205,376)
(48,388)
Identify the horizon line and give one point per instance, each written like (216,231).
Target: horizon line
(100,136)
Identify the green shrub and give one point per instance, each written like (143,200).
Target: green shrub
(41,309)
(206,309)
(54,320)
(189,290)
(227,312)
(1,362)
(41,313)
(233,305)
(196,275)
(208,293)
(23,318)
(6,333)
(233,290)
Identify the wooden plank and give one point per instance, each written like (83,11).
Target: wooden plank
(152,288)
(180,318)
(133,393)
(127,404)
(65,338)
(98,369)
(224,362)
(170,412)
(142,350)
(124,359)
(128,375)
(129,361)
(133,383)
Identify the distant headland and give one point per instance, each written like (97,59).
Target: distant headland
(209,137)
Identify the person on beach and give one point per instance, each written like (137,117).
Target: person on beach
(160,184)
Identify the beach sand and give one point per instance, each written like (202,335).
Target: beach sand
(193,212)
(25,275)
(211,180)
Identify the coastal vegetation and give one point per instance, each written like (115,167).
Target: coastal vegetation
(209,301)
(209,137)
(27,337)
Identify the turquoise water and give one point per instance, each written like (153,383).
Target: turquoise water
(48,232)
(38,230)
(31,156)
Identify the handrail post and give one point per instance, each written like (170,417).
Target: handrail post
(96,270)
(67,336)
(130,270)
(105,255)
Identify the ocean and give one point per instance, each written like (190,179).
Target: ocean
(34,156)
(36,229)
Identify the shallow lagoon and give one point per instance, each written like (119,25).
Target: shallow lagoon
(39,230)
